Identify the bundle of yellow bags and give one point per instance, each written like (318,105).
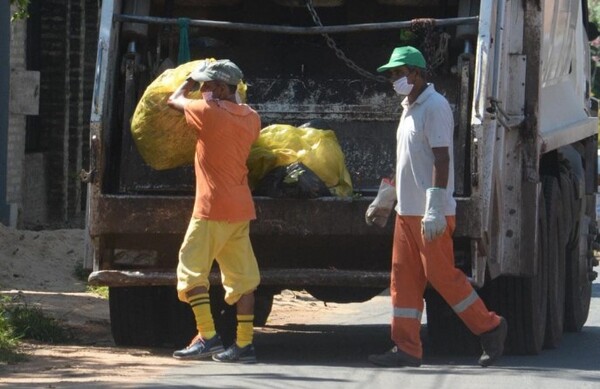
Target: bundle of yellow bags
(165,141)
(282,145)
(161,134)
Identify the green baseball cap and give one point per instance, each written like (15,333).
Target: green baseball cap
(404,55)
(220,70)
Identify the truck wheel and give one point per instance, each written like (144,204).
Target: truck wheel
(578,284)
(447,334)
(224,315)
(523,300)
(137,315)
(556,262)
(182,325)
(263,303)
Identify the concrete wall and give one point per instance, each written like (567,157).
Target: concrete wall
(16,124)
(35,200)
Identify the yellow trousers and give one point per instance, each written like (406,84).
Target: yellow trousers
(228,244)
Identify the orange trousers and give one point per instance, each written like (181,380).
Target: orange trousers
(416,262)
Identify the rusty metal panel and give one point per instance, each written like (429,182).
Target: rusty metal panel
(129,214)
(468,218)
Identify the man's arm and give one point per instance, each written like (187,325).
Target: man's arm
(178,99)
(441,167)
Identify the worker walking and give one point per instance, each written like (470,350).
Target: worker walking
(425,220)
(219,227)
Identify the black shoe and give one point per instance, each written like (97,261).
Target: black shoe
(492,343)
(200,348)
(236,353)
(395,358)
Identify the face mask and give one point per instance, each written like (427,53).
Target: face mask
(402,87)
(207,96)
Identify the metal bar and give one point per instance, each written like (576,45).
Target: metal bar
(312,30)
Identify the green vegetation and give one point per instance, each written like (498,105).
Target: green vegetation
(31,323)
(21,321)
(594,10)
(18,320)
(8,340)
(594,17)
(82,274)
(101,291)
(21,9)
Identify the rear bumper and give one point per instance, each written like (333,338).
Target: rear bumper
(287,277)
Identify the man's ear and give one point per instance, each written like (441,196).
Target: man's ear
(223,90)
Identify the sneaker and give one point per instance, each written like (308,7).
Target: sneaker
(200,348)
(236,353)
(492,343)
(395,358)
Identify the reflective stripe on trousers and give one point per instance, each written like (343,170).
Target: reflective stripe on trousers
(408,313)
(466,303)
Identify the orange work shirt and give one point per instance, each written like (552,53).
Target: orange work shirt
(225,132)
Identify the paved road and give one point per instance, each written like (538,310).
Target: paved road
(331,352)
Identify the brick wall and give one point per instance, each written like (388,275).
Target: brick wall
(62,46)
(54,101)
(64,53)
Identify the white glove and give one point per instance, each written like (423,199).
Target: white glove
(433,223)
(379,210)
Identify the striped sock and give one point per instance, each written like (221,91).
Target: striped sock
(245,330)
(204,321)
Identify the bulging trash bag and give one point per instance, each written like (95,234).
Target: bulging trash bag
(161,134)
(319,150)
(292,181)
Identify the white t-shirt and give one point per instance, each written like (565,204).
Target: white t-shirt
(425,124)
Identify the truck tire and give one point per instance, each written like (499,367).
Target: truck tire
(224,315)
(447,334)
(263,303)
(523,300)
(153,316)
(578,282)
(150,316)
(557,234)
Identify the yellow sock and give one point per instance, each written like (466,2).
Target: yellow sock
(204,321)
(245,330)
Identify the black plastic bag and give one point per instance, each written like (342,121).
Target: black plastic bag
(292,181)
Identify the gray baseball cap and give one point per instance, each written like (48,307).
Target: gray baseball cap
(220,70)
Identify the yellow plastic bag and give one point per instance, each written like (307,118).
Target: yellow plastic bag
(319,150)
(161,134)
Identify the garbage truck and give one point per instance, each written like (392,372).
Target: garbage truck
(517,76)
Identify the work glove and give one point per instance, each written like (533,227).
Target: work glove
(379,210)
(433,223)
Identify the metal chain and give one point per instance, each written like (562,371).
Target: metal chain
(434,44)
(338,52)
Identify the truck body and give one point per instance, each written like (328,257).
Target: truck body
(517,76)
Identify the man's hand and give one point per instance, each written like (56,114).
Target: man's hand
(379,210)
(178,99)
(433,223)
